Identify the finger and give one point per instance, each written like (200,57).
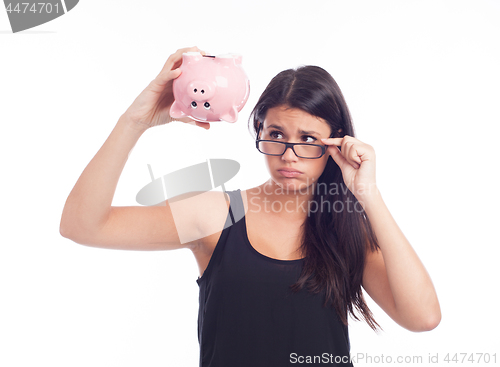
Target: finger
(336,141)
(332,141)
(175,60)
(189,121)
(338,157)
(349,152)
(204,125)
(351,155)
(342,157)
(165,76)
(345,144)
(352,158)
(178,61)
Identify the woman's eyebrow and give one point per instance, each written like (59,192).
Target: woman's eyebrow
(304,132)
(308,132)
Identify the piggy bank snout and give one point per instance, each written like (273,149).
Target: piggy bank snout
(200,90)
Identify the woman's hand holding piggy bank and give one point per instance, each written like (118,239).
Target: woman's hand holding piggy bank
(152,106)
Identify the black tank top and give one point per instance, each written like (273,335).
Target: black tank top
(248,316)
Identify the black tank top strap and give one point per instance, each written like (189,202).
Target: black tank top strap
(236,208)
(236,213)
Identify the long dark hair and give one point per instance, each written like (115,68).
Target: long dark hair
(334,241)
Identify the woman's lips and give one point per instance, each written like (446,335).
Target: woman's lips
(289,172)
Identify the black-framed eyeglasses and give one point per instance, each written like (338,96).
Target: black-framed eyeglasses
(301,150)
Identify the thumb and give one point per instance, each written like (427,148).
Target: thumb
(204,125)
(190,121)
(337,156)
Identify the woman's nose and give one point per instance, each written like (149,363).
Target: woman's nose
(289,155)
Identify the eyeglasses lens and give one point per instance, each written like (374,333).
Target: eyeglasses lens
(304,151)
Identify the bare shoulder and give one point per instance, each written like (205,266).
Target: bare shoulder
(207,209)
(212,209)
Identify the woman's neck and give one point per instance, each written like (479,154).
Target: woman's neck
(282,201)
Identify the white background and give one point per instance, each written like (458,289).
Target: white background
(421,79)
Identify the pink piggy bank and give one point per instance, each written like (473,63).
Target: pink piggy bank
(210,88)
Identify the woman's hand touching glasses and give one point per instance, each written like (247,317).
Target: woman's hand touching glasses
(357,163)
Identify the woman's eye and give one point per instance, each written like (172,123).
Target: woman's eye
(275,134)
(312,139)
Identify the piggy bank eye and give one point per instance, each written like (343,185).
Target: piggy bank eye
(194,104)
(206,105)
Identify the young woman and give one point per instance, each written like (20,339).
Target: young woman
(282,264)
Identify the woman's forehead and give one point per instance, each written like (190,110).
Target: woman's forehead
(295,120)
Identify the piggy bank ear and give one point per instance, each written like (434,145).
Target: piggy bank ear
(191,56)
(237,59)
(176,111)
(230,59)
(230,116)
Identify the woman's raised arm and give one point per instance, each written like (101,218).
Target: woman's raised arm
(88,217)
